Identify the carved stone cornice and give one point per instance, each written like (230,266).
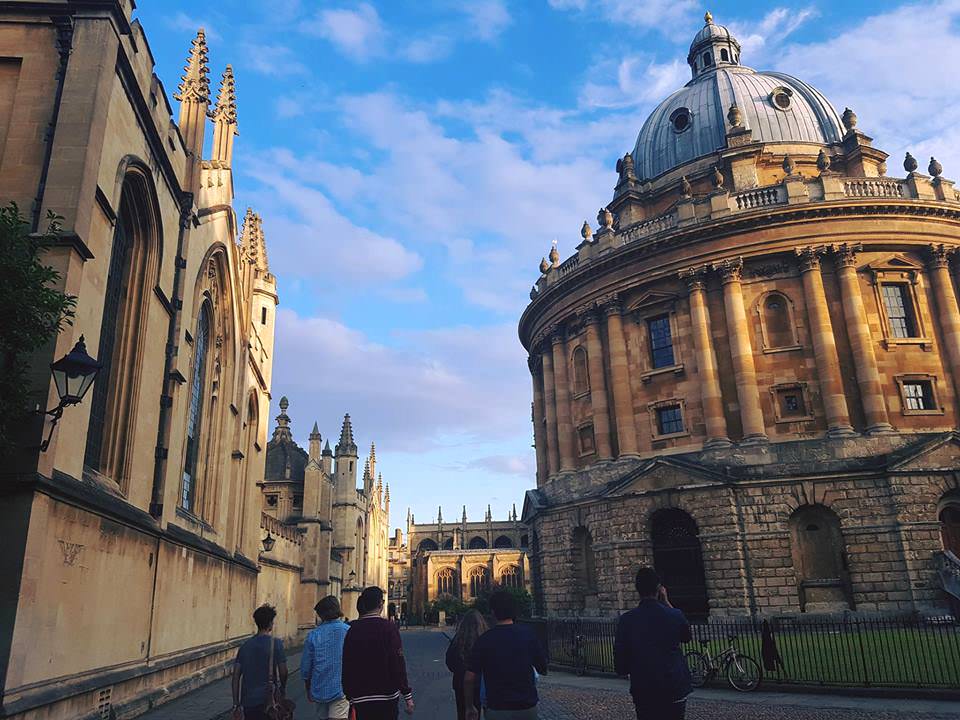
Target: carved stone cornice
(730,270)
(588,315)
(556,334)
(808,258)
(610,304)
(695,278)
(845,254)
(938,255)
(535,363)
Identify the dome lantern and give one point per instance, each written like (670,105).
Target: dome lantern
(713,46)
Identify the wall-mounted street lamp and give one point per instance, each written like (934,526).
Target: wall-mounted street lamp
(268,542)
(73,374)
(353,578)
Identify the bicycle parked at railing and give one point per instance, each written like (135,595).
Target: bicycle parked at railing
(742,671)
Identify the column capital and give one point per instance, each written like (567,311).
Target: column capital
(587,315)
(610,304)
(730,270)
(695,278)
(809,258)
(535,363)
(845,254)
(556,334)
(938,255)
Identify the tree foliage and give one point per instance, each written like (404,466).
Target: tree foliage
(33,312)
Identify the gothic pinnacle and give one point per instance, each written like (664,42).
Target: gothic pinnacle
(195,83)
(346,445)
(226,107)
(253,245)
(316,430)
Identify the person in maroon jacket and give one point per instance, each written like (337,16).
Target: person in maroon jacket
(374,672)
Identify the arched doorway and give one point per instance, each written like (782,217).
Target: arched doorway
(819,559)
(950,526)
(678,560)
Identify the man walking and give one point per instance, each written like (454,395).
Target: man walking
(321,662)
(253,671)
(647,648)
(506,656)
(374,671)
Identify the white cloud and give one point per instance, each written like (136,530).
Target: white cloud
(520,465)
(272,60)
(191,23)
(663,15)
(358,34)
(777,25)
(487,18)
(639,80)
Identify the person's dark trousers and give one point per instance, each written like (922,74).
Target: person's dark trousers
(659,710)
(386,710)
(254,713)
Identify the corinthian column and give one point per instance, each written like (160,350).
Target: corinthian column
(535,363)
(598,386)
(550,411)
(861,344)
(741,351)
(562,384)
(824,344)
(620,378)
(939,268)
(711,397)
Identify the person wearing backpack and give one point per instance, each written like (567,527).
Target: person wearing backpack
(259,660)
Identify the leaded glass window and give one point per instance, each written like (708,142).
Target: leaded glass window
(669,420)
(197,387)
(918,395)
(896,299)
(661,342)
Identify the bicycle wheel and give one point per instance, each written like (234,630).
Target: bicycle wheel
(743,673)
(699,668)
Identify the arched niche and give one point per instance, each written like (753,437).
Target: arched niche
(819,559)
(678,560)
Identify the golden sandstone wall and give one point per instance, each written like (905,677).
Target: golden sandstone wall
(125,584)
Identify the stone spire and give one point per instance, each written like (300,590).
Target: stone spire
(224,116)
(464,518)
(315,443)
(489,517)
(439,514)
(326,448)
(386,499)
(514,518)
(194,96)
(253,244)
(282,431)
(346,445)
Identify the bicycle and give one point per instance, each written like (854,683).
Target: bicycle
(579,654)
(742,671)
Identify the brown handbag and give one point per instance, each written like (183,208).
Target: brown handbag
(278,706)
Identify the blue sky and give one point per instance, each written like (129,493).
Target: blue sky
(414,160)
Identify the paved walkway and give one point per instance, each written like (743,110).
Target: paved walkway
(568,697)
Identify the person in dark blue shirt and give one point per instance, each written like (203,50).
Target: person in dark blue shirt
(506,656)
(647,648)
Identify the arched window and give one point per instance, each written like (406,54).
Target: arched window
(584,562)
(678,559)
(479,581)
(524,541)
(581,374)
(776,318)
(131,275)
(445,582)
(478,543)
(503,542)
(707,60)
(448,544)
(819,559)
(510,577)
(950,524)
(724,55)
(198,391)
(427,545)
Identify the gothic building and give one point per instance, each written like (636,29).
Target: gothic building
(130,566)
(398,573)
(463,559)
(748,374)
(343,528)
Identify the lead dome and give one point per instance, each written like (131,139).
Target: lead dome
(692,122)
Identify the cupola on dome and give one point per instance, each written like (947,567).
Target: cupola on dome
(692,122)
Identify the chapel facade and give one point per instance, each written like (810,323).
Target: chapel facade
(131,541)
(747,375)
(343,528)
(463,559)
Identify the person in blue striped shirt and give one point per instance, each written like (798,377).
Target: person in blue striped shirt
(321,662)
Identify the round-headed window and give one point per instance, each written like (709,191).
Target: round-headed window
(680,119)
(781,98)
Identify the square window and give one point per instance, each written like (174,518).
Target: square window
(899,306)
(271,500)
(669,420)
(791,402)
(661,342)
(918,395)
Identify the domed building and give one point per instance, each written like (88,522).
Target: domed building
(747,375)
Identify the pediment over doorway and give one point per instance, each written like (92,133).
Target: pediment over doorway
(942,453)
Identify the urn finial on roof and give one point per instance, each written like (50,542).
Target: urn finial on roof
(849,119)
(935,168)
(910,163)
(789,167)
(823,162)
(717,178)
(554,254)
(734,116)
(586,232)
(544,266)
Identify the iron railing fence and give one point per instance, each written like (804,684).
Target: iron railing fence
(850,651)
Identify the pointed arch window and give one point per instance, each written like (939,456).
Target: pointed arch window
(479,581)
(201,346)
(581,372)
(510,577)
(445,582)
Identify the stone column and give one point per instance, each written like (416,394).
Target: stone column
(598,386)
(939,269)
(824,344)
(535,364)
(744,370)
(861,344)
(620,378)
(550,412)
(562,385)
(710,395)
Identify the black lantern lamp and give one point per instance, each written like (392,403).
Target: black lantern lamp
(73,374)
(353,578)
(268,542)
